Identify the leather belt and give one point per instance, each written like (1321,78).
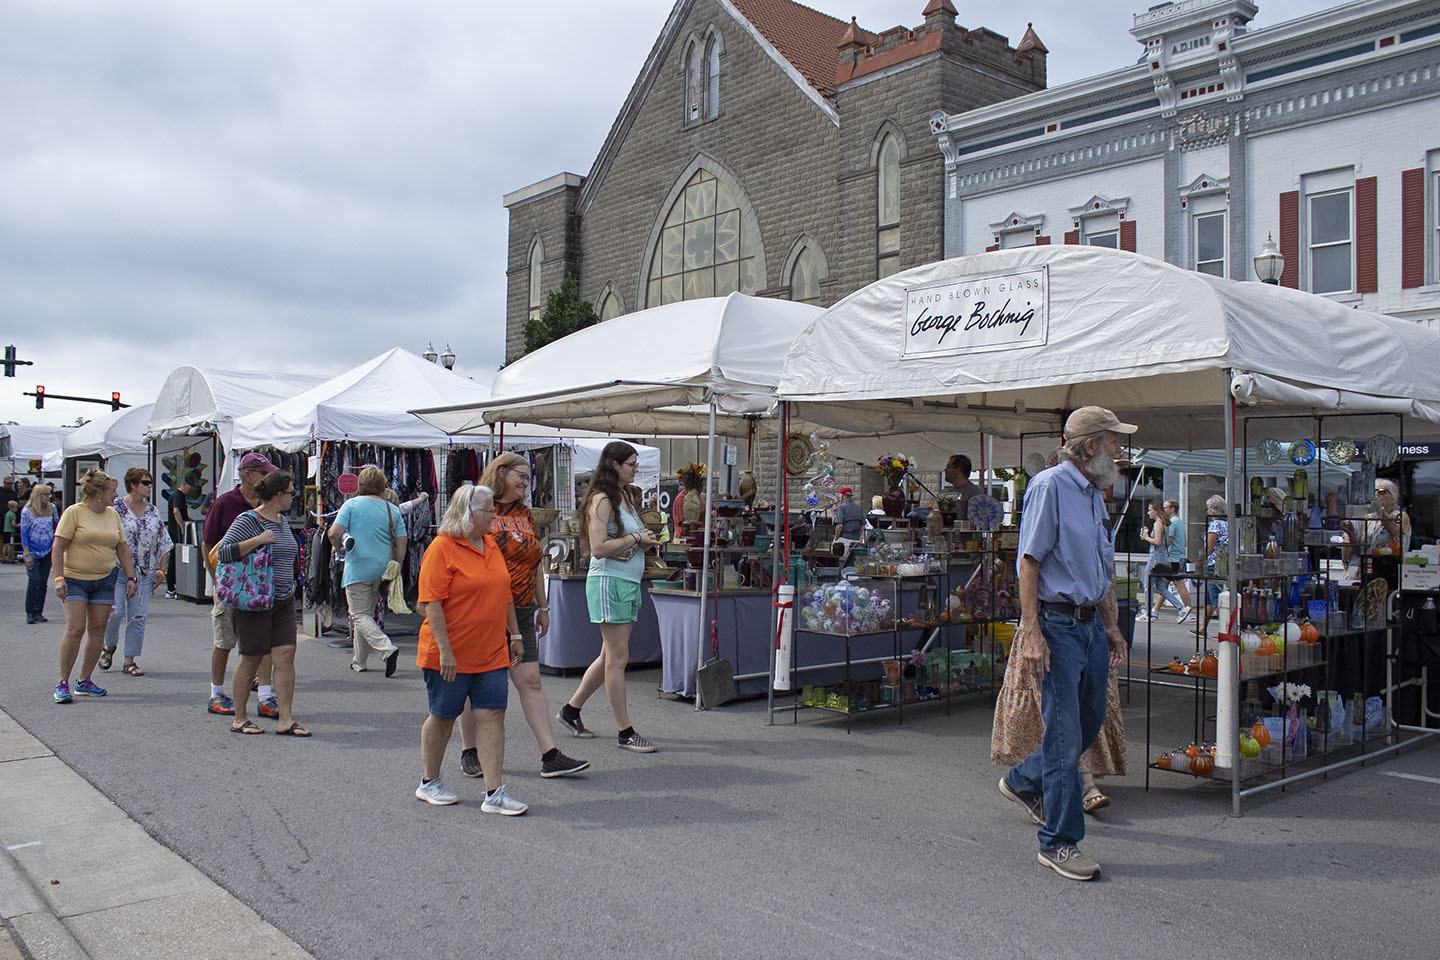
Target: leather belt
(1083,614)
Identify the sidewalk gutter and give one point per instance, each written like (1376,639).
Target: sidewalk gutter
(81,880)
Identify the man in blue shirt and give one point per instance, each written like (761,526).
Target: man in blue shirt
(1069,634)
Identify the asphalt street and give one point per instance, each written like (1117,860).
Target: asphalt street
(736,838)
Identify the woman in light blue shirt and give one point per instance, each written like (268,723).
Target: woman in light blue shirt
(610,529)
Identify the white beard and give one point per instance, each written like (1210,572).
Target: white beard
(1102,470)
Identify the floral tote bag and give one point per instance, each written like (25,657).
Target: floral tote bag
(248,583)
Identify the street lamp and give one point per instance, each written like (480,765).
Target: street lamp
(1269,262)
(430,353)
(447,359)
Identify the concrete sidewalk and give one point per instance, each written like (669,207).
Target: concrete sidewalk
(80,879)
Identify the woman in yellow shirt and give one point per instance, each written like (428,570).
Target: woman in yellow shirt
(89,543)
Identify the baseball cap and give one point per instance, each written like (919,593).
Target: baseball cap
(846,491)
(257,461)
(1088,420)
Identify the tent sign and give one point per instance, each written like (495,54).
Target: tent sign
(977,314)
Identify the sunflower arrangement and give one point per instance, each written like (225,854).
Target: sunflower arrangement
(691,476)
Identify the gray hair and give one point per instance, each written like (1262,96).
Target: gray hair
(1391,486)
(459,520)
(1073,449)
(1217,507)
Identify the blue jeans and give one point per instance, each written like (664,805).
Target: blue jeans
(129,612)
(1072,703)
(37,586)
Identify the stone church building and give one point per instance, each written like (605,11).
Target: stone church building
(766,148)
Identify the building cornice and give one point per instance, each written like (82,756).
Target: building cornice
(542,188)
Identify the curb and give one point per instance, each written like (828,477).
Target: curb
(81,880)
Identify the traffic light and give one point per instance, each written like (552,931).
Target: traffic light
(10,360)
(115,400)
(39,397)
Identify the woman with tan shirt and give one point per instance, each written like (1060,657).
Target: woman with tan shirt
(89,544)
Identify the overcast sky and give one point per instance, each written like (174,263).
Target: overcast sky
(301,185)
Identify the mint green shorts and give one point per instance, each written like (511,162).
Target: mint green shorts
(612,600)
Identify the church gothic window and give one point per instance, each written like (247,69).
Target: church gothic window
(537,256)
(887,240)
(706,247)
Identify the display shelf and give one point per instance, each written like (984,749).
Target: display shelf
(1283,671)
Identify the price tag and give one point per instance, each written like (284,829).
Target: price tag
(732,454)
(347,483)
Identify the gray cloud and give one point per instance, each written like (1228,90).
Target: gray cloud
(305,185)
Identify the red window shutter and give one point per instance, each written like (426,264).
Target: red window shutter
(992,248)
(1042,241)
(1367,263)
(1412,228)
(1290,238)
(1127,235)
(1072,237)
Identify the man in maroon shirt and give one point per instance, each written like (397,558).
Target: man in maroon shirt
(228,506)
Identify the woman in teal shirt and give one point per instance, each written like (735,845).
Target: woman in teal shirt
(610,529)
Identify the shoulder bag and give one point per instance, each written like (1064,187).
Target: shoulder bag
(247,584)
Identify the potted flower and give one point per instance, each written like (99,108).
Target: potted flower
(893,467)
(690,504)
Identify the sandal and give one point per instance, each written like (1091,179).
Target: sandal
(1094,800)
(294,730)
(133,669)
(249,728)
(107,657)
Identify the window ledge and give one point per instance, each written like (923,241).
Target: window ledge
(1430,289)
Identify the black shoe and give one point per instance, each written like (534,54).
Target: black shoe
(470,764)
(1033,805)
(562,766)
(41,618)
(391,661)
(577,727)
(30,618)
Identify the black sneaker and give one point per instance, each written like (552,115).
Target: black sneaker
(576,725)
(470,764)
(562,766)
(635,743)
(1033,805)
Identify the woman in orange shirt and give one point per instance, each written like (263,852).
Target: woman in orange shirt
(464,654)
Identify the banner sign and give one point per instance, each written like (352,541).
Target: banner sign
(977,314)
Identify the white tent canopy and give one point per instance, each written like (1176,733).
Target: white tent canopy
(586,454)
(196,400)
(1013,339)
(649,373)
(120,432)
(30,443)
(367,403)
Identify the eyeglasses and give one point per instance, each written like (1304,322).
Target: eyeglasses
(632,464)
(482,509)
(144,483)
(1380,490)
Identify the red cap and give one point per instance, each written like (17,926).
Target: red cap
(846,491)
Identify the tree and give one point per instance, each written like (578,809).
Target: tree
(564,313)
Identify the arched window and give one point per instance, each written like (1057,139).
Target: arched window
(805,275)
(610,306)
(712,79)
(706,248)
(537,257)
(694,82)
(887,240)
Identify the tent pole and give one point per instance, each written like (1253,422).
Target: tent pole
(775,552)
(1227,720)
(705,564)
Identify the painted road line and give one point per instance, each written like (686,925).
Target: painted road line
(1412,776)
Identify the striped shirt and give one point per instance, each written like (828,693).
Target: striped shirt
(284,552)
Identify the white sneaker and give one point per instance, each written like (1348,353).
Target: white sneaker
(502,803)
(1142,617)
(1186,615)
(435,792)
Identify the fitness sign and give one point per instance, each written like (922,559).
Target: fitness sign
(977,314)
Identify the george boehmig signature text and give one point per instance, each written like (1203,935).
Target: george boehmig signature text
(980,318)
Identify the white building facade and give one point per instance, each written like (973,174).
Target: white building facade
(1323,132)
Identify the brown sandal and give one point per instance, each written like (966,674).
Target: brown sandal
(294,730)
(133,669)
(1094,800)
(107,657)
(249,728)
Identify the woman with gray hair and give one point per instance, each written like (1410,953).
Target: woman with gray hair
(1384,528)
(468,642)
(1217,541)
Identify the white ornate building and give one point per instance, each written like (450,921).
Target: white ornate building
(1323,131)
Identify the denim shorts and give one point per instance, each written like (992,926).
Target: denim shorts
(485,691)
(92,591)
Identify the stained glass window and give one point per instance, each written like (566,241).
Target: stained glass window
(706,247)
